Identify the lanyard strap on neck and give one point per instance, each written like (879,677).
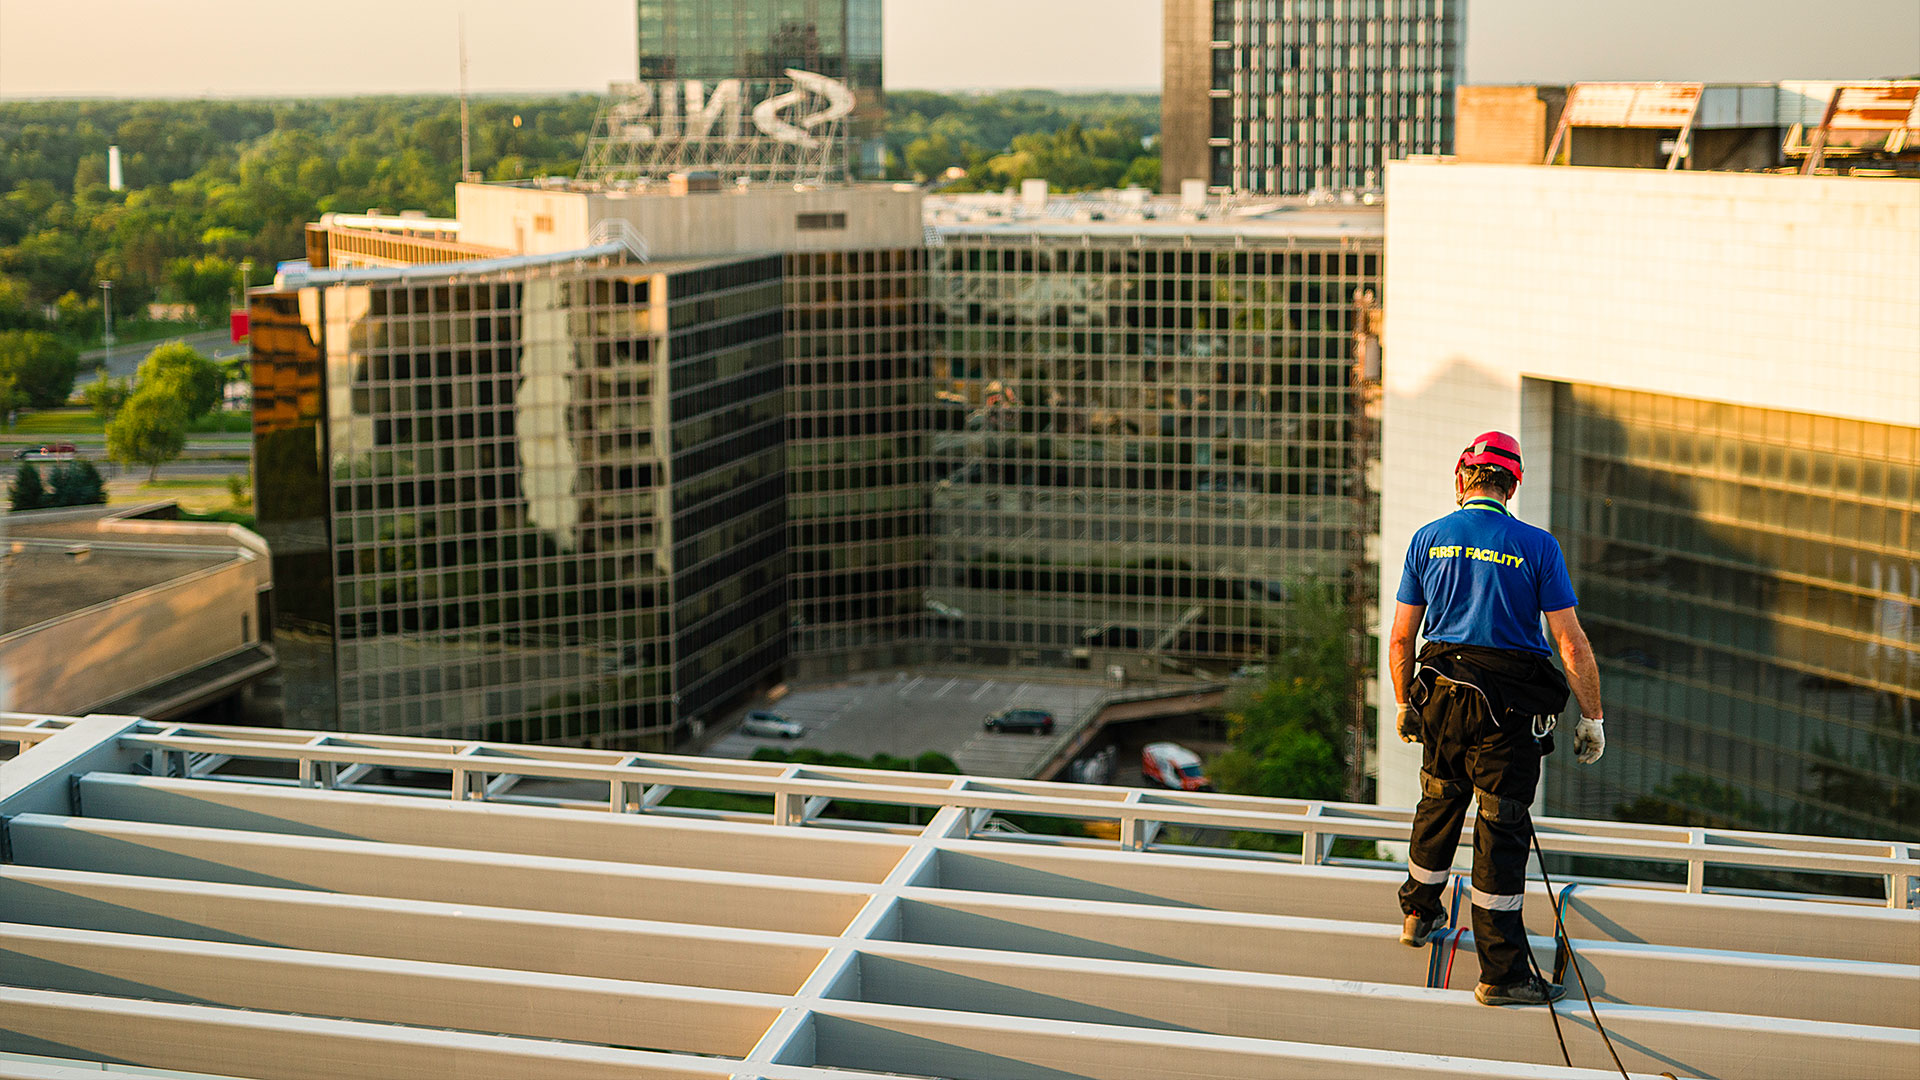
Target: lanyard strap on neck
(1485,502)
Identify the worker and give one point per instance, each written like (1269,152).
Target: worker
(1482,698)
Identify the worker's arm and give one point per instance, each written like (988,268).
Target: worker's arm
(1400,647)
(1576,655)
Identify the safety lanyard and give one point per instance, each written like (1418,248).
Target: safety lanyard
(1484,502)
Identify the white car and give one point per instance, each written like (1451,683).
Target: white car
(771,726)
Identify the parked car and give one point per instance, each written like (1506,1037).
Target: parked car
(771,726)
(48,452)
(1173,766)
(1036,720)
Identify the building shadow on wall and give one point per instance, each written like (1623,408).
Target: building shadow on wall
(1729,630)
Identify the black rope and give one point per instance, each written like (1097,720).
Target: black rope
(1566,944)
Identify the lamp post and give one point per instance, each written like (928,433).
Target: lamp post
(106,308)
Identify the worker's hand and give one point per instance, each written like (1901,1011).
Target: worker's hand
(1408,723)
(1589,740)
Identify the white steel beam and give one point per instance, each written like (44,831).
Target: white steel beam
(595,946)
(604,1012)
(575,886)
(1344,1012)
(274,1046)
(476,826)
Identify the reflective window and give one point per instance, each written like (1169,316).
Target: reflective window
(1749,580)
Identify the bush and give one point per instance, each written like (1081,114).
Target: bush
(77,484)
(26,490)
(74,484)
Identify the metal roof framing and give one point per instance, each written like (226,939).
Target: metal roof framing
(273,904)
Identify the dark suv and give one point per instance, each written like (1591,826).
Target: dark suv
(1035,720)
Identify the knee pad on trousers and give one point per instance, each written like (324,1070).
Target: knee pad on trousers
(1498,810)
(1433,787)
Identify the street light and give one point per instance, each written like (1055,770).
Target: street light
(106,304)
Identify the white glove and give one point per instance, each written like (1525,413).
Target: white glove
(1589,740)
(1407,724)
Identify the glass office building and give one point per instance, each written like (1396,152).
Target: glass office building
(538,499)
(1749,579)
(857,458)
(1141,438)
(1299,95)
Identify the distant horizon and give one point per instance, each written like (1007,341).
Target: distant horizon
(236,50)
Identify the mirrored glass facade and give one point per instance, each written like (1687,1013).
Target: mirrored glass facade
(759,40)
(1138,446)
(857,458)
(551,496)
(1321,94)
(1749,579)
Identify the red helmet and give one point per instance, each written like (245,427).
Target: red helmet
(1492,448)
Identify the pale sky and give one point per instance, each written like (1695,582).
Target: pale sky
(193,48)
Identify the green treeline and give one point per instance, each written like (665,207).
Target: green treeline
(1079,142)
(212,184)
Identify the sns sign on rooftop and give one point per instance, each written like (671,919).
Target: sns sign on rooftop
(801,111)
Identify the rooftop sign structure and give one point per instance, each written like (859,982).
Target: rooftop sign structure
(762,130)
(1862,118)
(1631,105)
(292,905)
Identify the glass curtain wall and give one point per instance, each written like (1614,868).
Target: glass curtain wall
(1137,450)
(1749,578)
(857,458)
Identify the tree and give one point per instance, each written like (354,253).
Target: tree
(41,366)
(106,394)
(209,283)
(1288,734)
(26,491)
(150,430)
(186,373)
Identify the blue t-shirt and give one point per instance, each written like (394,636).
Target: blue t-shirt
(1485,577)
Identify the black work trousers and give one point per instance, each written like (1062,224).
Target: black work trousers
(1468,758)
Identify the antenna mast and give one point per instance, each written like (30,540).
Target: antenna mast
(466,142)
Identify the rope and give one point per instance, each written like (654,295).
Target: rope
(1447,983)
(1560,934)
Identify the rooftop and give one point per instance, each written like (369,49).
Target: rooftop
(1137,213)
(281,904)
(60,562)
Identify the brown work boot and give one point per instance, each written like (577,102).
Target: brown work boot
(1419,931)
(1534,991)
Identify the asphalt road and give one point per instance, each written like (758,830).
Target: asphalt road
(122,360)
(911,713)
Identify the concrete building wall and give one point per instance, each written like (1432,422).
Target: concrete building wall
(1185,108)
(1507,125)
(541,221)
(1774,291)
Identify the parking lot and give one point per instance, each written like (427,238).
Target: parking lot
(909,713)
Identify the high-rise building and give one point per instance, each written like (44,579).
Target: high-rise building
(1142,428)
(1293,96)
(560,482)
(532,498)
(759,41)
(1720,414)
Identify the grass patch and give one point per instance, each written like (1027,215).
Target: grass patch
(222,423)
(242,518)
(59,422)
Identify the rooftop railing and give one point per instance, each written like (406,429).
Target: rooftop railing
(801,796)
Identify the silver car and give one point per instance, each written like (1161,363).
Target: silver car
(771,726)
